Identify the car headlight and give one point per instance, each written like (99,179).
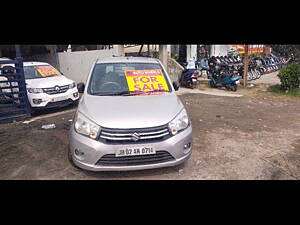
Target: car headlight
(180,123)
(86,127)
(71,86)
(35,90)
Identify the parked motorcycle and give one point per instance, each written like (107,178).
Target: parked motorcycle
(220,79)
(189,78)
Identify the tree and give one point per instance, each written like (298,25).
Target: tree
(286,50)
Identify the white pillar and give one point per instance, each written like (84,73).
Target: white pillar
(169,50)
(188,52)
(191,52)
(120,50)
(212,50)
(194,51)
(163,55)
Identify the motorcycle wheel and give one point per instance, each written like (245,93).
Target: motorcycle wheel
(208,75)
(231,87)
(254,75)
(190,84)
(259,74)
(249,76)
(212,84)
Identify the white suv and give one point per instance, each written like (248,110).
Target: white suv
(46,86)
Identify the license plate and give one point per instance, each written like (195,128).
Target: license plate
(133,151)
(58,99)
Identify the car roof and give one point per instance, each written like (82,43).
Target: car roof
(4,58)
(35,64)
(129,59)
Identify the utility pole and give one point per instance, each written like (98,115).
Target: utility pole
(246,64)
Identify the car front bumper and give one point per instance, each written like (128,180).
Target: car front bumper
(94,150)
(56,100)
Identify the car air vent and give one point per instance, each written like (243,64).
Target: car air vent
(127,136)
(56,90)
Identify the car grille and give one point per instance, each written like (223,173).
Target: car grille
(59,104)
(56,90)
(134,136)
(112,160)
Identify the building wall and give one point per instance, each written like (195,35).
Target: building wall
(219,50)
(174,49)
(74,65)
(52,59)
(77,65)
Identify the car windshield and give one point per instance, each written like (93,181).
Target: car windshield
(109,79)
(35,72)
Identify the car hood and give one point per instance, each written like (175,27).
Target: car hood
(130,111)
(48,82)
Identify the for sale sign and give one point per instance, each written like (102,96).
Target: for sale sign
(146,80)
(46,71)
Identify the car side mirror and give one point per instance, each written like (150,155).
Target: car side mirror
(80,87)
(176,85)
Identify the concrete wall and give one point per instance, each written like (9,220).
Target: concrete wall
(77,65)
(219,50)
(74,65)
(174,69)
(52,59)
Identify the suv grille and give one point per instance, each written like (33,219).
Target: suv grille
(112,160)
(56,90)
(134,136)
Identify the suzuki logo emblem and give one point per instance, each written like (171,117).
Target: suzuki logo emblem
(135,137)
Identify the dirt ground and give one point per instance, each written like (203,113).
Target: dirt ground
(252,137)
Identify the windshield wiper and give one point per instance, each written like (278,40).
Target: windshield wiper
(128,93)
(132,93)
(122,93)
(143,92)
(158,90)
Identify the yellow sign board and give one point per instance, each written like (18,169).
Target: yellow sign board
(146,80)
(46,71)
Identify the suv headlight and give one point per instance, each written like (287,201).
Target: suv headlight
(35,90)
(180,123)
(86,127)
(71,86)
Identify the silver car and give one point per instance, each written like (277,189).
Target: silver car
(129,118)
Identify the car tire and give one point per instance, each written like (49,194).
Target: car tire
(76,102)
(34,112)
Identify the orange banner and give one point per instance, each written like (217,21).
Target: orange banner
(252,48)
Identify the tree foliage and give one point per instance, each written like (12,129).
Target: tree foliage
(286,50)
(290,77)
